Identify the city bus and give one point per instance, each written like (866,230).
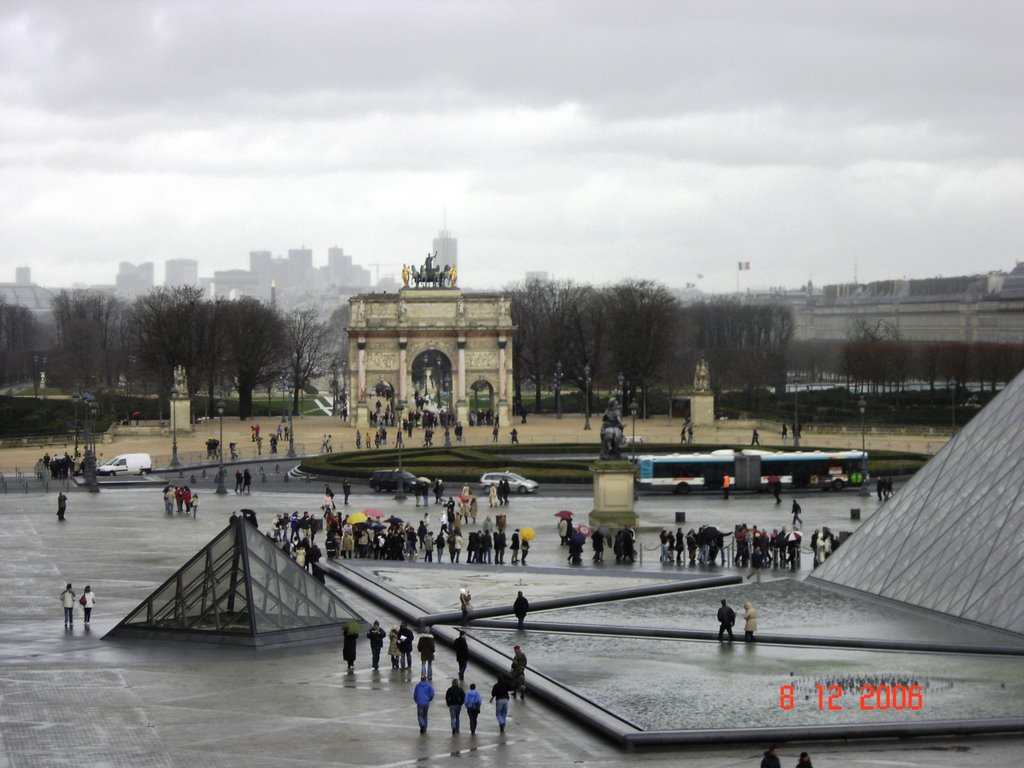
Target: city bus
(752,470)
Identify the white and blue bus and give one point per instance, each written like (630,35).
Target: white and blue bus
(752,470)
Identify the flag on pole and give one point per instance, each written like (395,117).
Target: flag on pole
(742,266)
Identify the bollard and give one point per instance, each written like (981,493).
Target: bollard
(855,514)
(680,517)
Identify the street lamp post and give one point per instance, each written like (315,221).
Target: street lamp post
(632,412)
(89,466)
(622,391)
(952,396)
(447,431)
(284,401)
(174,426)
(334,387)
(558,389)
(286,386)
(796,411)
(76,396)
(221,488)
(586,377)
(35,375)
(400,490)
(344,389)
(862,405)
(42,377)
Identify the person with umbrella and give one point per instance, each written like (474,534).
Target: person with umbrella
(351,635)
(520,608)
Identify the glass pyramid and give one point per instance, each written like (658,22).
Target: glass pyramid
(948,541)
(238,589)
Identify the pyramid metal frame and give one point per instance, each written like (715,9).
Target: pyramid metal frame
(239,589)
(948,542)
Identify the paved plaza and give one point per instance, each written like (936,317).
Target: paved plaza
(71,698)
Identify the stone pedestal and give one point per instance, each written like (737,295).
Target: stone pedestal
(613,494)
(181,415)
(362,415)
(702,410)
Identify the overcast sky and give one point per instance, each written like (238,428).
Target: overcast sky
(595,140)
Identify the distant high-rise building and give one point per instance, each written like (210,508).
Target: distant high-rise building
(181,272)
(447,249)
(300,259)
(134,279)
(342,272)
(541,276)
(23,275)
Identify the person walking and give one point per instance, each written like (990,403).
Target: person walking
(796,514)
(67,599)
(518,673)
(750,623)
(521,607)
(346,489)
(756,564)
(246,481)
(771,758)
(492,496)
(514,546)
(422,694)
(461,648)
(87,600)
(349,639)
(454,697)
(62,505)
(239,479)
(405,638)
(499,697)
(426,647)
(393,651)
(755,438)
(474,701)
(376,636)
(464,604)
(804,761)
(726,620)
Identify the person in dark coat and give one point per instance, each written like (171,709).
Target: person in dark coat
(351,635)
(62,505)
(461,648)
(726,620)
(405,638)
(771,758)
(376,635)
(520,607)
(454,697)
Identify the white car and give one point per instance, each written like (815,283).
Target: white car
(516,483)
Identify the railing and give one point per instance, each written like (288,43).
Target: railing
(243,453)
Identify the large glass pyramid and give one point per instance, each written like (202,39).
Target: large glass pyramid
(949,541)
(238,589)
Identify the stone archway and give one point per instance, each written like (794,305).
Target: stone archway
(431,378)
(482,398)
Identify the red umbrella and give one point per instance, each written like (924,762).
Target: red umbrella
(373,513)
(565,514)
(584,529)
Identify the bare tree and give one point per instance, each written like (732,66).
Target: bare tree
(254,335)
(87,323)
(306,341)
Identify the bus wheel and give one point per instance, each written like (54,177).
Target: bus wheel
(682,489)
(837,485)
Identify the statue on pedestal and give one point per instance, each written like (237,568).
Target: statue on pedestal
(613,440)
(701,377)
(181,380)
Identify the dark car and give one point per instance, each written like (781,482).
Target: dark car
(388,480)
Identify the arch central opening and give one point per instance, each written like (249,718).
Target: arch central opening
(432,381)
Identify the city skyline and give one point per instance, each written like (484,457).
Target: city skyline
(596,141)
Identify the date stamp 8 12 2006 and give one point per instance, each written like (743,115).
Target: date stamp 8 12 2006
(835,697)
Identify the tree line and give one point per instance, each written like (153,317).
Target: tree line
(244,344)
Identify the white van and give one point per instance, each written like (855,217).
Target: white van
(127,464)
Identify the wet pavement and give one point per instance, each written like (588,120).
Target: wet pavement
(69,697)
